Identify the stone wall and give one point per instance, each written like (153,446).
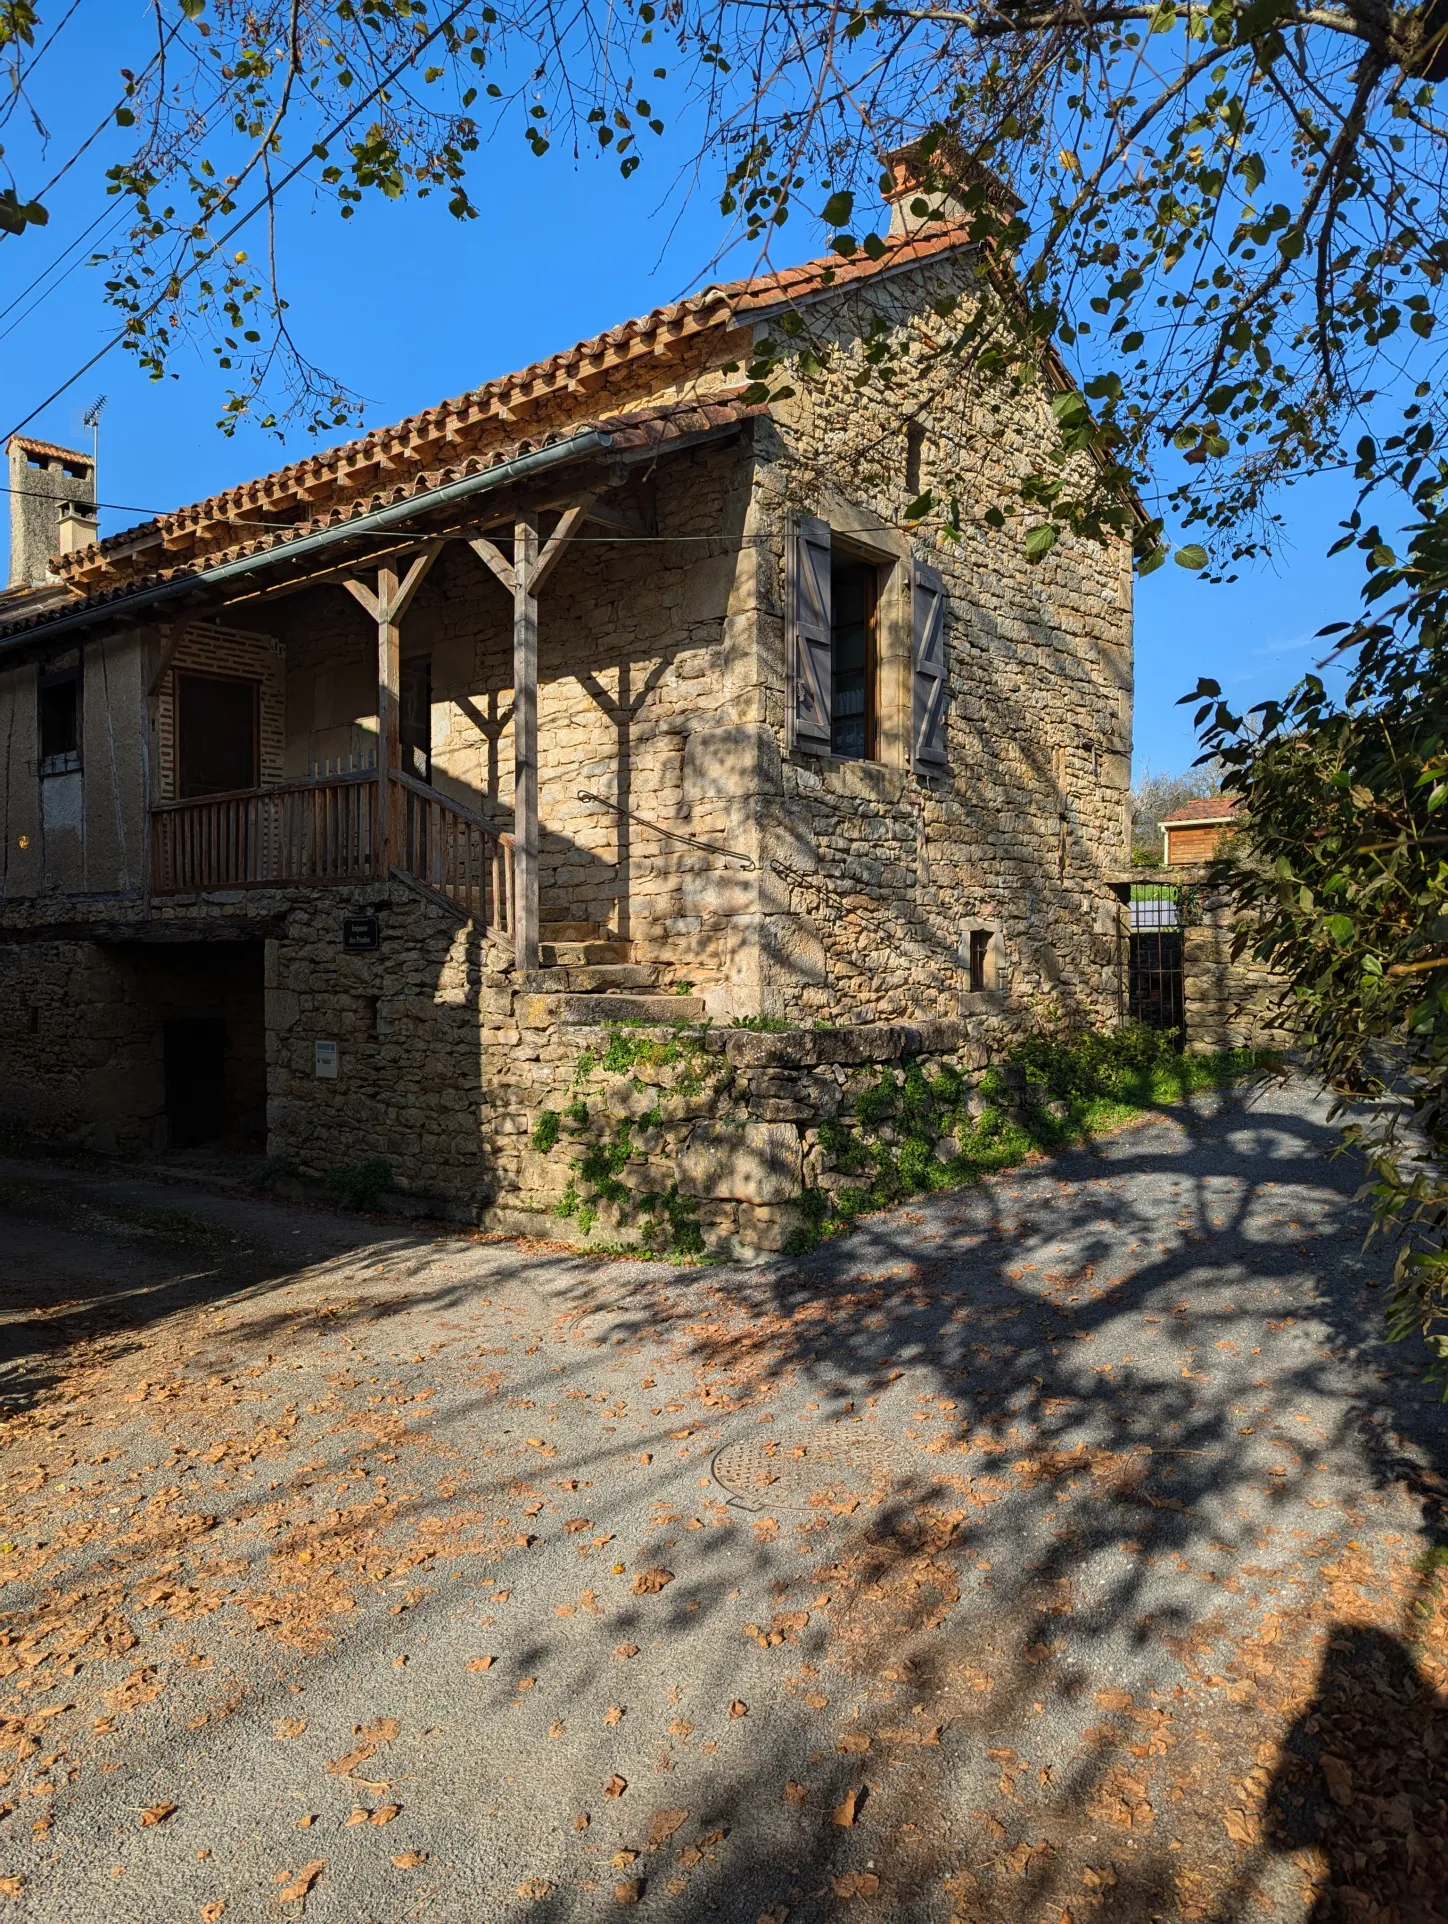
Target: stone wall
(82,1036)
(876,873)
(1230,1002)
(640,647)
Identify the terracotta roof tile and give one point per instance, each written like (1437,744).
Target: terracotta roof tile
(418,441)
(651,427)
(1207,808)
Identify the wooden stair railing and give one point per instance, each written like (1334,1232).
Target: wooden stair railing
(319,832)
(454,853)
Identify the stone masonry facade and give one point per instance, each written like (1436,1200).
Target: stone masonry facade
(828,891)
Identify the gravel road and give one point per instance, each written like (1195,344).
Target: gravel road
(1052,1549)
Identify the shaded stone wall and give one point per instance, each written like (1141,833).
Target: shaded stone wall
(209,648)
(1230,1002)
(82,1029)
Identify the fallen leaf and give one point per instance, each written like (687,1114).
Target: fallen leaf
(1037,1652)
(649,1582)
(211,1912)
(855,1741)
(534,1887)
(614,1714)
(577,1523)
(409,1860)
(385,1813)
(156,1814)
(616,1786)
(11,1886)
(290,1726)
(855,1884)
(1239,1826)
(1113,1700)
(794,1793)
(622,1859)
(299,1885)
(662,1826)
(581,1821)
(557,1728)
(629,1892)
(739,1708)
(1338,1777)
(480,1663)
(359,1816)
(627,1650)
(844,1812)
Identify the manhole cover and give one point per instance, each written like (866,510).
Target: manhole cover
(801,1473)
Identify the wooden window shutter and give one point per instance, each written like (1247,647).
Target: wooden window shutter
(809,635)
(929,734)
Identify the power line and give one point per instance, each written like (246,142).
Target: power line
(174,282)
(36,59)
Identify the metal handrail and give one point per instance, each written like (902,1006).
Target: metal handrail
(709,848)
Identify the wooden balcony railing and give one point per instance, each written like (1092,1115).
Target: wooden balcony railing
(326,833)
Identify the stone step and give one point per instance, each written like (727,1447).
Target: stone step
(614,975)
(593,1011)
(569,932)
(577,955)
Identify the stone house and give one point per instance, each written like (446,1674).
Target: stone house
(345,810)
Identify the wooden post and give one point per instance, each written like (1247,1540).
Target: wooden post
(525,736)
(387,605)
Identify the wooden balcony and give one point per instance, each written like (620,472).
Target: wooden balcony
(328,833)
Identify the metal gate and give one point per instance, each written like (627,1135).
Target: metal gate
(1154,957)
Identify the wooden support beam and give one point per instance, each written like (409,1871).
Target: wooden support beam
(493,558)
(525,738)
(387,604)
(572,520)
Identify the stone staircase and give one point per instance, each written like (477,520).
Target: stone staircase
(588,977)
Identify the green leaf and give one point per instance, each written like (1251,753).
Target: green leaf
(1341,928)
(193,9)
(1192,557)
(838,209)
(920,506)
(1040,541)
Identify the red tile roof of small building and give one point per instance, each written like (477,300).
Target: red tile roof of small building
(1207,808)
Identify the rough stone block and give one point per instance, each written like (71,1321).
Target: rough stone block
(769,1226)
(758,1163)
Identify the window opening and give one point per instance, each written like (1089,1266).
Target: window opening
(216,727)
(59,698)
(979,960)
(853,597)
(914,447)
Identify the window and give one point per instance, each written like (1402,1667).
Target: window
(853,596)
(983,955)
(914,448)
(60,722)
(216,732)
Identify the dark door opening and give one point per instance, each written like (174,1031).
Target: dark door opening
(195,1081)
(216,730)
(1154,977)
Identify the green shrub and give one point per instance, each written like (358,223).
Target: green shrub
(360,1185)
(545,1133)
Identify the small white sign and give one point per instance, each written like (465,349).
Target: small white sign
(327,1061)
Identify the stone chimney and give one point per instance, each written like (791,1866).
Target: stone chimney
(52,507)
(939,179)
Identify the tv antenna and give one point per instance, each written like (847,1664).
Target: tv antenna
(92,420)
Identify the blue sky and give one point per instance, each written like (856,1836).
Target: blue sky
(408,305)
